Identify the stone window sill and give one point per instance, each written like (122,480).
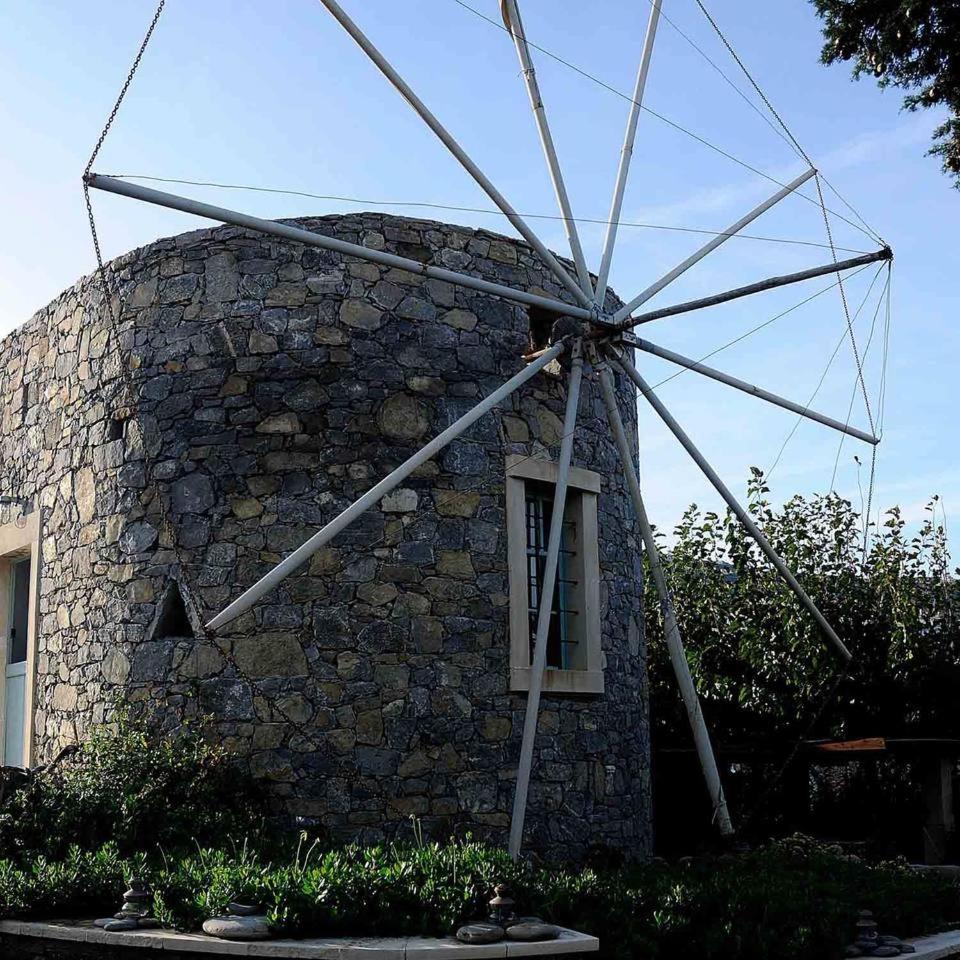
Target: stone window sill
(577,682)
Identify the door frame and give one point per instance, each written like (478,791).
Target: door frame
(18,541)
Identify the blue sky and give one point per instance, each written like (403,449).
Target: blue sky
(275,94)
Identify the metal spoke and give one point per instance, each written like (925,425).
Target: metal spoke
(626,152)
(303,553)
(546,605)
(298,234)
(678,658)
(769,284)
(451,144)
(710,246)
(514,24)
(647,347)
(734,505)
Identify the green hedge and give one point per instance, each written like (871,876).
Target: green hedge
(789,901)
(163,807)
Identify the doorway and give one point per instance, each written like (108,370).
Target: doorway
(19,561)
(15,699)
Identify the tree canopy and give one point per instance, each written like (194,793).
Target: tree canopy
(759,661)
(911,44)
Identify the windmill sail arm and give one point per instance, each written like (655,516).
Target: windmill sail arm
(626,152)
(712,245)
(697,367)
(287,232)
(554,543)
(511,17)
(678,658)
(447,139)
(761,285)
(306,550)
(742,515)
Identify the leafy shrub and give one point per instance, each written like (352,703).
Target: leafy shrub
(135,787)
(82,881)
(760,661)
(790,900)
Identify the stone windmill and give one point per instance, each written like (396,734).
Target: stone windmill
(585,334)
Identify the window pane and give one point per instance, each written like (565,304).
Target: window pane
(19,610)
(539,508)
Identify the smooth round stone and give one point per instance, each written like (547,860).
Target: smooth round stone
(103,921)
(237,928)
(148,923)
(118,926)
(907,948)
(528,931)
(242,910)
(480,933)
(887,950)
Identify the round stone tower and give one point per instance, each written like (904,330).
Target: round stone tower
(248,391)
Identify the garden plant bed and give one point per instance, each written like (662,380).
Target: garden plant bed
(72,842)
(32,941)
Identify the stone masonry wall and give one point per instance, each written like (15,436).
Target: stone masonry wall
(252,390)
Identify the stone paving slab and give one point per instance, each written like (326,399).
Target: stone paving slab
(937,946)
(332,948)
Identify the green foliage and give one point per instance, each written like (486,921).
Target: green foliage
(759,660)
(911,44)
(388,889)
(80,882)
(134,786)
(790,901)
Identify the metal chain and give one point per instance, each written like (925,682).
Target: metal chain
(653,113)
(103,275)
(853,395)
(753,83)
(860,377)
(846,309)
(124,88)
(796,143)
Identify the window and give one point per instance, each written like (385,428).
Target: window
(573,646)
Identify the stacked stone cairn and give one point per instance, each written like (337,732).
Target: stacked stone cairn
(241,922)
(135,912)
(871,943)
(503,923)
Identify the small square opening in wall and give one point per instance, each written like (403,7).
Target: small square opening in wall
(541,326)
(574,653)
(116,429)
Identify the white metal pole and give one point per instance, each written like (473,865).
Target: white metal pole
(515,25)
(626,152)
(451,144)
(735,506)
(769,284)
(303,553)
(678,658)
(554,542)
(299,235)
(710,246)
(647,347)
